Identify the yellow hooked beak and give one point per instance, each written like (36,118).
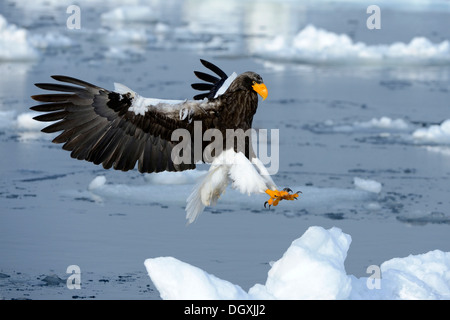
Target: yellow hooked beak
(261,89)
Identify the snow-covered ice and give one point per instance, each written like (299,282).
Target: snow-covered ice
(50,40)
(444,150)
(155,188)
(367,184)
(406,131)
(25,121)
(316,45)
(312,268)
(174,178)
(132,13)
(14,43)
(438,134)
(382,124)
(19,44)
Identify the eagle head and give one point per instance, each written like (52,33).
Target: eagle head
(250,81)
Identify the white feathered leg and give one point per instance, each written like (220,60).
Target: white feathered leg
(228,166)
(207,192)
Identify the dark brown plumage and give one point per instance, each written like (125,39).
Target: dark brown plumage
(103,126)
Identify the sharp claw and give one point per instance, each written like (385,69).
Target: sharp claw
(287,189)
(265,203)
(299,192)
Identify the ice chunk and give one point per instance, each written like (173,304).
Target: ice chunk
(50,40)
(25,121)
(384,123)
(130,14)
(175,279)
(171,178)
(439,134)
(367,185)
(312,268)
(14,43)
(439,149)
(17,44)
(97,182)
(315,45)
(423,276)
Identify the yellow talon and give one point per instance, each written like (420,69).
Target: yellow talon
(276,196)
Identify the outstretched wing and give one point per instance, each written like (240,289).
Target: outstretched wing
(117,129)
(213,84)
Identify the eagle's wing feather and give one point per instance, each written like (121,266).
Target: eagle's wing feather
(214,84)
(117,129)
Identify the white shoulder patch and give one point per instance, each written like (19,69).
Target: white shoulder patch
(226,85)
(123,89)
(140,104)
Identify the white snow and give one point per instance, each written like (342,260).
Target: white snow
(175,178)
(315,45)
(126,36)
(439,149)
(22,122)
(384,124)
(179,185)
(312,268)
(18,44)
(439,134)
(25,121)
(367,185)
(50,40)
(133,13)
(98,182)
(176,280)
(14,43)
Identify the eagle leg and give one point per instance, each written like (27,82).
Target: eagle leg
(276,196)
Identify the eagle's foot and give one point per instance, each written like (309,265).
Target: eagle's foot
(276,196)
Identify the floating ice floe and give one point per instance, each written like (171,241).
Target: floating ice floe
(26,122)
(22,122)
(443,150)
(175,178)
(18,44)
(50,40)
(382,124)
(132,13)
(14,43)
(312,268)
(368,185)
(436,134)
(315,45)
(407,132)
(180,185)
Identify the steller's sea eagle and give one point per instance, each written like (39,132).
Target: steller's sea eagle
(119,128)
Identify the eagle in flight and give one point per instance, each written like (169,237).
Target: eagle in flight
(121,128)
